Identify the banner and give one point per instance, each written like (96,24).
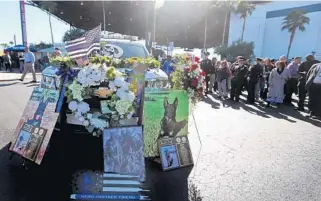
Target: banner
(23,23)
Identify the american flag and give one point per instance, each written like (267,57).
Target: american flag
(109,186)
(84,45)
(82,61)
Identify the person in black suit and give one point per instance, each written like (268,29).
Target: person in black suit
(208,68)
(253,80)
(302,71)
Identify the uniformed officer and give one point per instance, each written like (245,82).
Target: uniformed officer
(302,71)
(255,72)
(239,72)
(208,68)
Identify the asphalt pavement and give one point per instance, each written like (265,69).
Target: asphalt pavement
(241,152)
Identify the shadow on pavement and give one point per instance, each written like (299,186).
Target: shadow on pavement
(51,181)
(209,100)
(9,84)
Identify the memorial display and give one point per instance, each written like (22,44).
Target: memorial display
(36,124)
(129,103)
(175,152)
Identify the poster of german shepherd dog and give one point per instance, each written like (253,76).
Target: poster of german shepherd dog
(166,113)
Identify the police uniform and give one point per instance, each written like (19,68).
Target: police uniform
(207,67)
(303,70)
(254,76)
(239,72)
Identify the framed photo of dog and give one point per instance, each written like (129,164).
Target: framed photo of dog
(175,152)
(166,114)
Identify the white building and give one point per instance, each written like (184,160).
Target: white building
(263,27)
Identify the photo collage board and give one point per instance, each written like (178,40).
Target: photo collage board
(36,125)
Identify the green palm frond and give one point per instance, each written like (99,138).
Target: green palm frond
(244,8)
(295,20)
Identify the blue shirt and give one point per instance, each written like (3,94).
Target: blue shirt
(168,68)
(29,57)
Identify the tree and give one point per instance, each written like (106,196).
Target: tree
(244,8)
(227,7)
(72,34)
(51,7)
(293,21)
(4,45)
(42,45)
(238,48)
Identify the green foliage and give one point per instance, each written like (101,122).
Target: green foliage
(123,63)
(4,45)
(42,45)
(238,48)
(182,60)
(177,78)
(110,74)
(295,20)
(72,34)
(244,8)
(56,61)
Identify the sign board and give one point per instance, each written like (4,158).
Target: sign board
(175,152)
(36,125)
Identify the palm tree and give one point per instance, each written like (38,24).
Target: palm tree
(51,7)
(244,8)
(295,20)
(228,7)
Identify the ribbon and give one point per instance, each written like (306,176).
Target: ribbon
(67,74)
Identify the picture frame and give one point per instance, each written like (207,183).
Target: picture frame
(175,152)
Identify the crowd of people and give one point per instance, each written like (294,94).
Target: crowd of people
(269,80)
(12,60)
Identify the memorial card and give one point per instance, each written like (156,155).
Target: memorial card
(175,152)
(36,125)
(124,151)
(166,113)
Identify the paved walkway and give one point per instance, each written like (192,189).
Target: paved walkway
(253,153)
(10,76)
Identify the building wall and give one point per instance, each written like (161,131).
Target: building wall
(263,27)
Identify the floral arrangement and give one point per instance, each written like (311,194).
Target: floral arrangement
(190,78)
(109,61)
(56,61)
(124,63)
(120,101)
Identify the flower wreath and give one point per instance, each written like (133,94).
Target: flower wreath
(191,77)
(120,101)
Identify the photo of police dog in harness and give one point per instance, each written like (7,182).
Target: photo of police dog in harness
(166,114)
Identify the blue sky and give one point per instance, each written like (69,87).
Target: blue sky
(37,23)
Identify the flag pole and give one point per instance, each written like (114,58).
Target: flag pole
(104,20)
